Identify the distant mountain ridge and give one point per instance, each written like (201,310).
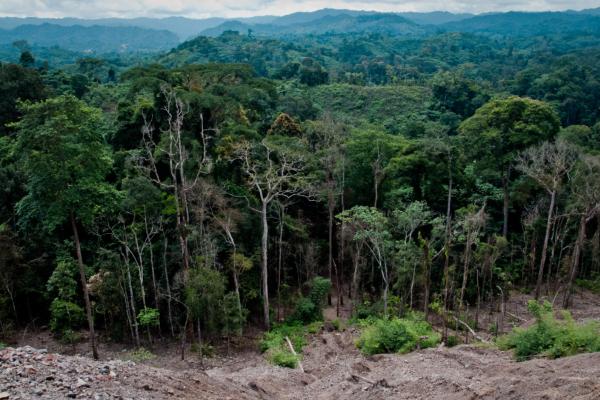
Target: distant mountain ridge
(331,23)
(158,34)
(101,39)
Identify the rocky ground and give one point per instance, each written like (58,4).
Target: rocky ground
(334,369)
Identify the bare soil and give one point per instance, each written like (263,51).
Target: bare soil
(334,369)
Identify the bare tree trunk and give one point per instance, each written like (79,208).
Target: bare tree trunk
(279,260)
(166,272)
(467,259)
(575,261)
(540,277)
(355,275)
(506,202)
(427,269)
(86,294)
(447,255)
(330,209)
(265,265)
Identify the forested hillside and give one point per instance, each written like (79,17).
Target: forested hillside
(250,179)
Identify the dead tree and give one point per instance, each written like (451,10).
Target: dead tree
(547,165)
(272,172)
(586,199)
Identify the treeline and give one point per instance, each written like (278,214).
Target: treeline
(203,198)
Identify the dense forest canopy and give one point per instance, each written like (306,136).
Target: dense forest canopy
(423,162)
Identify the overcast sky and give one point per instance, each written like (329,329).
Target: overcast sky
(245,8)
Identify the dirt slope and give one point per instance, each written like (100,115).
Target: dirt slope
(28,373)
(336,370)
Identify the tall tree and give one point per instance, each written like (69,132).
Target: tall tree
(586,203)
(274,168)
(547,165)
(62,142)
(499,131)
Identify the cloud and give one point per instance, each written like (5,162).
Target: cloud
(246,8)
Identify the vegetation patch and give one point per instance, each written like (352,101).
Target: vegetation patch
(551,337)
(396,335)
(141,354)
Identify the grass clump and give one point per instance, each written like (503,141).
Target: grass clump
(551,337)
(284,359)
(276,348)
(2,346)
(397,335)
(141,354)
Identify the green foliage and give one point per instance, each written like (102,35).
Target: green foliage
(310,309)
(64,316)
(452,341)
(276,348)
(149,317)
(140,354)
(2,345)
(204,294)
(233,317)
(61,142)
(62,282)
(206,349)
(397,336)
(284,359)
(551,337)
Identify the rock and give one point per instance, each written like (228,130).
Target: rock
(81,383)
(4,396)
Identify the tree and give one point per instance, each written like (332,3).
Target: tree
(371,228)
(274,168)
(330,136)
(585,195)
(499,131)
(66,160)
(547,165)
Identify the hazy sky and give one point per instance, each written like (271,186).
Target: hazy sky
(244,8)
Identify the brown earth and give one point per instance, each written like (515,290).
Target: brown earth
(334,369)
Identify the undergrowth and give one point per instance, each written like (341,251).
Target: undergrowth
(276,348)
(396,335)
(307,318)
(141,354)
(551,337)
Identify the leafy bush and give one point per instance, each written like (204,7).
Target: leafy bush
(551,337)
(69,336)
(65,316)
(141,354)
(397,336)
(284,359)
(310,309)
(149,317)
(305,312)
(452,341)
(276,347)
(206,349)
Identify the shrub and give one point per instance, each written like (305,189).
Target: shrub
(284,359)
(69,336)
(65,316)
(306,311)
(276,347)
(310,309)
(397,336)
(2,345)
(149,317)
(551,337)
(452,341)
(141,354)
